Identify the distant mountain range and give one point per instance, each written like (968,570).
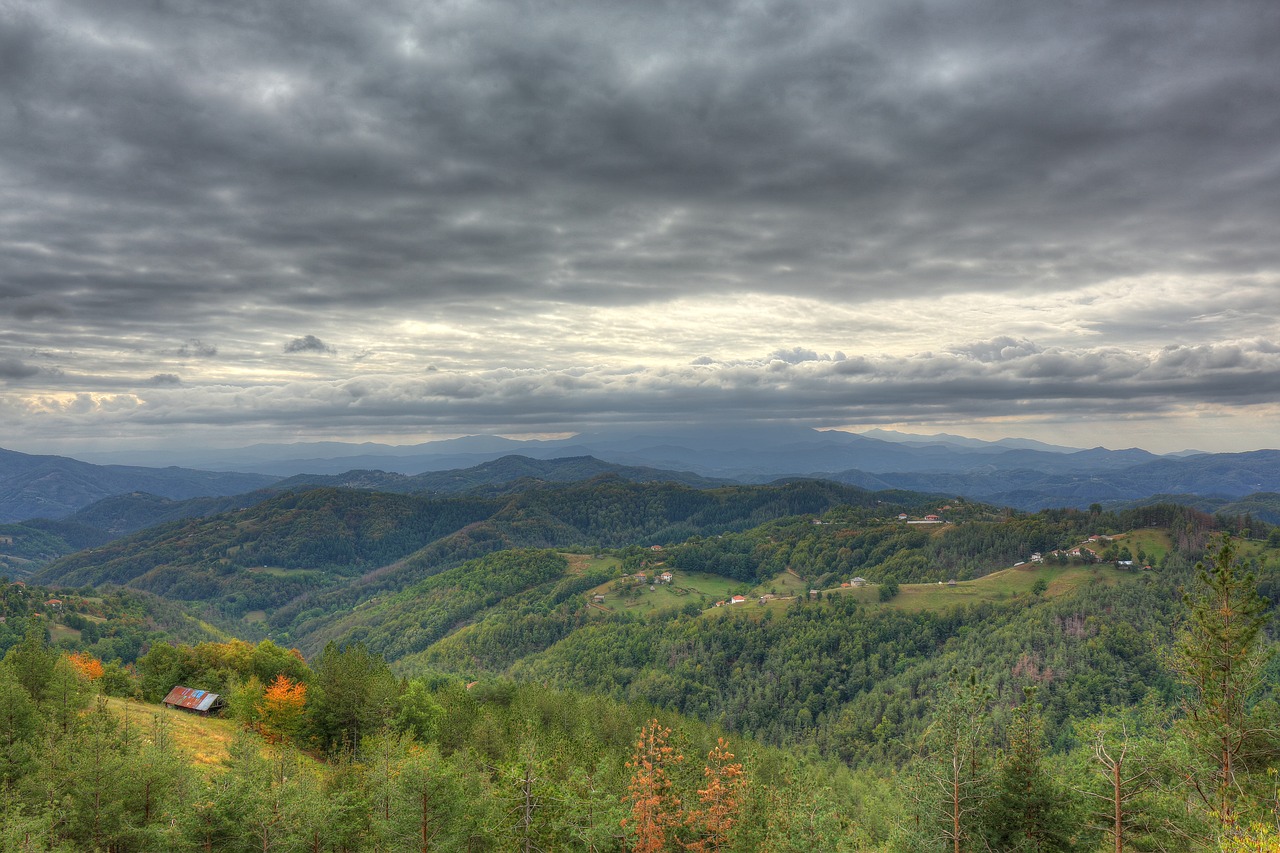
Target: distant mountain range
(56,486)
(1020,473)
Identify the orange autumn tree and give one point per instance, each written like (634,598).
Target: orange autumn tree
(720,802)
(86,664)
(281,708)
(655,809)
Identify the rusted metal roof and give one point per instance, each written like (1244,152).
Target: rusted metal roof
(192,700)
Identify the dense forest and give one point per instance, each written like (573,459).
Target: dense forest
(566,669)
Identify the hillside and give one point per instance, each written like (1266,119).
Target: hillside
(331,548)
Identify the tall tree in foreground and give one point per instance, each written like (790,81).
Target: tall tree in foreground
(655,808)
(1220,658)
(952,769)
(720,802)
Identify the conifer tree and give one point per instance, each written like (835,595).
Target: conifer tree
(1027,813)
(720,802)
(655,807)
(952,769)
(1221,658)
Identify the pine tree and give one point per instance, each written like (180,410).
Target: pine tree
(720,802)
(655,808)
(951,770)
(1027,813)
(1221,658)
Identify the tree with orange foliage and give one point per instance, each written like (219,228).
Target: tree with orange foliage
(655,809)
(281,708)
(86,664)
(720,801)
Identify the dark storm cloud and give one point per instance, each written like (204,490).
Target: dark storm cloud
(201,157)
(310,343)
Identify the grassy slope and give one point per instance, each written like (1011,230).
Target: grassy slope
(205,740)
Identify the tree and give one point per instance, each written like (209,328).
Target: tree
(1221,658)
(354,696)
(281,709)
(952,770)
(1027,813)
(86,664)
(1126,759)
(655,808)
(33,661)
(720,802)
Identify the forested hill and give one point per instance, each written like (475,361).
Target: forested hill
(337,546)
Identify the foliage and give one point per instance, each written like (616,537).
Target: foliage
(654,806)
(1221,658)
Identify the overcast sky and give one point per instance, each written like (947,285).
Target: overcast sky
(227,222)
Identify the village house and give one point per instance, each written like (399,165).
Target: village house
(665,577)
(738,599)
(858,582)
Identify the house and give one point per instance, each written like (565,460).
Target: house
(655,547)
(932,518)
(641,577)
(902,516)
(858,582)
(813,593)
(55,603)
(738,599)
(951,582)
(200,702)
(597,599)
(1037,557)
(665,577)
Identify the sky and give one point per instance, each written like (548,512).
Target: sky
(230,222)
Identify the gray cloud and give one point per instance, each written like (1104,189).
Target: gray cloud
(196,348)
(11,368)
(310,343)
(234,171)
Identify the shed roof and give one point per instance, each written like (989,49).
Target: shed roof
(194,700)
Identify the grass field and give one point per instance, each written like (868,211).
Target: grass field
(205,740)
(996,587)
(1155,543)
(582,563)
(696,587)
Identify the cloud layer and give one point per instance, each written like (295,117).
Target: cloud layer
(334,217)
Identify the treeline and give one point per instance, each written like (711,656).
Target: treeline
(345,757)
